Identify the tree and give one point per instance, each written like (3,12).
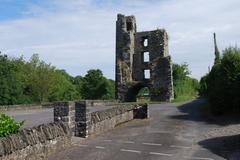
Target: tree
(40,78)
(11,87)
(94,85)
(78,82)
(185,87)
(62,88)
(35,81)
(180,71)
(110,94)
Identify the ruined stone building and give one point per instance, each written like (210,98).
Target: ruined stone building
(142,60)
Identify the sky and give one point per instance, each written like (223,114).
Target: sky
(78,35)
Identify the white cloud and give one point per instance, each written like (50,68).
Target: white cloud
(78,35)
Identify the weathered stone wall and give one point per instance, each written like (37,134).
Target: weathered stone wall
(105,120)
(93,103)
(5,108)
(125,34)
(65,112)
(35,143)
(83,122)
(130,64)
(90,103)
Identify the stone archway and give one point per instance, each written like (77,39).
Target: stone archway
(133,90)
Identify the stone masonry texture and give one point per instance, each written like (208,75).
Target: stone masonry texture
(36,143)
(83,123)
(131,48)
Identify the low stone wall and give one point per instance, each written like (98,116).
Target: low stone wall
(105,120)
(93,103)
(89,103)
(35,143)
(99,125)
(5,108)
(84,123)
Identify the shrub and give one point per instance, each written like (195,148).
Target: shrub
(203,88)
(8,125)
(223,83)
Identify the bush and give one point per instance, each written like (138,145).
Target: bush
(8,125)
(203,88)
(222,85)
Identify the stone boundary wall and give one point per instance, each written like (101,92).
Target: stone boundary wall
(93,103)
(5,108)
(84,123)
(90,103)
(108,119)
(36,143)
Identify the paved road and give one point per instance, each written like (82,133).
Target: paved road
(171,133)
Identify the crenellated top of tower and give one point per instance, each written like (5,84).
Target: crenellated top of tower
(126,23)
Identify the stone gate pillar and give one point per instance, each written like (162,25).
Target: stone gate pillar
(82,119)
(65,112)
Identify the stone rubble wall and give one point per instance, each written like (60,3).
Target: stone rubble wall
(93,103)
(90,103)
(5,108)
(84,123)
(102,121)
(36,143)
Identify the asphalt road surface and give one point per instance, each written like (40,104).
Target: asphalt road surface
(171,133)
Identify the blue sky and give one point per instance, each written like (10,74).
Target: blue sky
(77,35)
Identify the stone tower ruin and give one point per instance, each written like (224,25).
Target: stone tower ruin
(142,60)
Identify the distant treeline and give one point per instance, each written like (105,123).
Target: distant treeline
(35,81)
(221,85)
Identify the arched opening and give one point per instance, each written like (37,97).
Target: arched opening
(143,95)
(139,88)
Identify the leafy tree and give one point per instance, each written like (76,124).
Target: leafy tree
(40,78)
(94,85)
(62,89)
(110,87)
(180,71)
(35,81)
(11,87)
(78,83)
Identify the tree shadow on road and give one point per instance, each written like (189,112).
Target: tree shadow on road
(227,146)
(192,111)
(224,146)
